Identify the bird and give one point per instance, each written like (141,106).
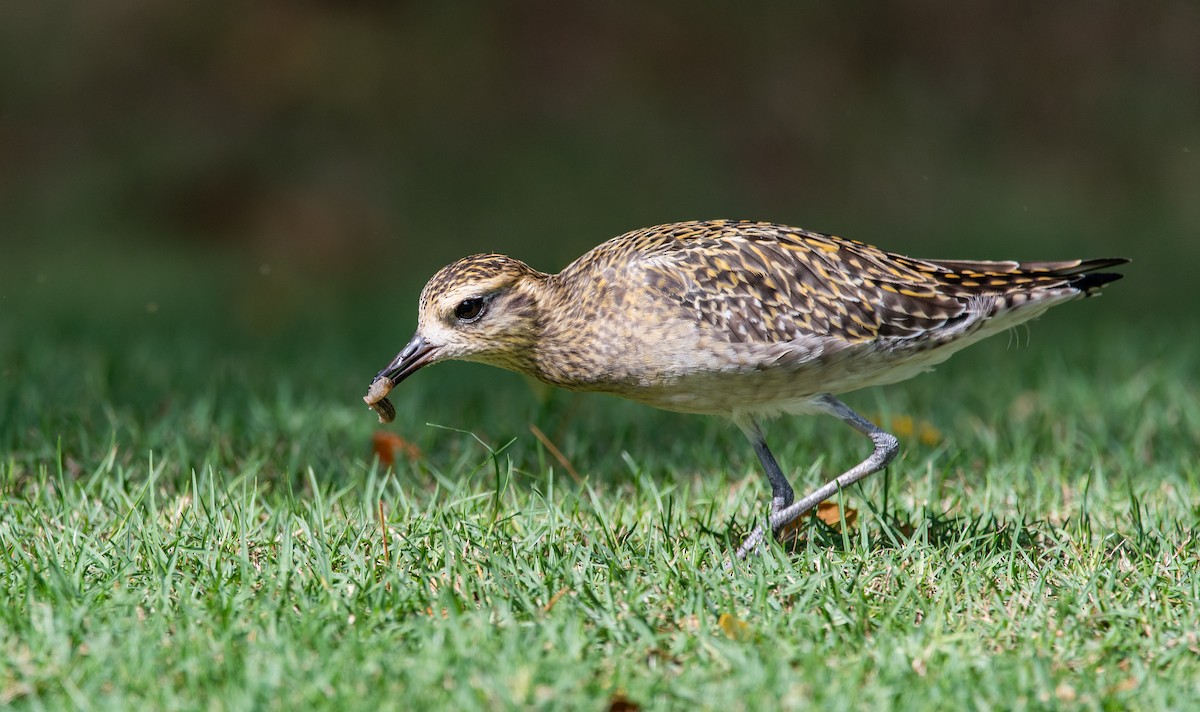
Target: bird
(742,319)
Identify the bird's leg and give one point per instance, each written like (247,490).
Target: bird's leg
(886,447)
(781,490)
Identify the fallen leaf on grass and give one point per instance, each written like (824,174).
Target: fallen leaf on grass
(387,446)
(733,626)
(905,426)
(835,516)
(829,513)
(1129,684)
(905,530)
(621,703)
(927,434)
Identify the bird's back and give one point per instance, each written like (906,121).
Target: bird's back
(781,313)
(762,282)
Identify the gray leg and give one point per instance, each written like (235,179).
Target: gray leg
(886,447)
(781,489)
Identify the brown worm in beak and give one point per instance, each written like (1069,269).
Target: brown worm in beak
(376,399)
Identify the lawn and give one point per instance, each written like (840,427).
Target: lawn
(193,515)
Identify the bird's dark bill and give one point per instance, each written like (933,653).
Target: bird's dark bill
(415,355)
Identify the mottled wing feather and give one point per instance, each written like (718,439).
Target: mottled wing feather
(766,283)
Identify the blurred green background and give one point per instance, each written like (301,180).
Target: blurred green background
(301,167)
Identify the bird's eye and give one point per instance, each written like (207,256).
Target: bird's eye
(469,309)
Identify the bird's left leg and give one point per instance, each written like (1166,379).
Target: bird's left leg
(781,489)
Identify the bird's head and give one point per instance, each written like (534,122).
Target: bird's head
(482,308)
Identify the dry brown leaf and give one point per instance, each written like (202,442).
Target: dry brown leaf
(620,703)
(901,426)
(733,626)
(1129,684)
(387,446)
(906,427)
(835,516)
(927,434)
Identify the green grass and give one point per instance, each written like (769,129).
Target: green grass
(189,518)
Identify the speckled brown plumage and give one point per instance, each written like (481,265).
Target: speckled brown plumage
(743,319)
